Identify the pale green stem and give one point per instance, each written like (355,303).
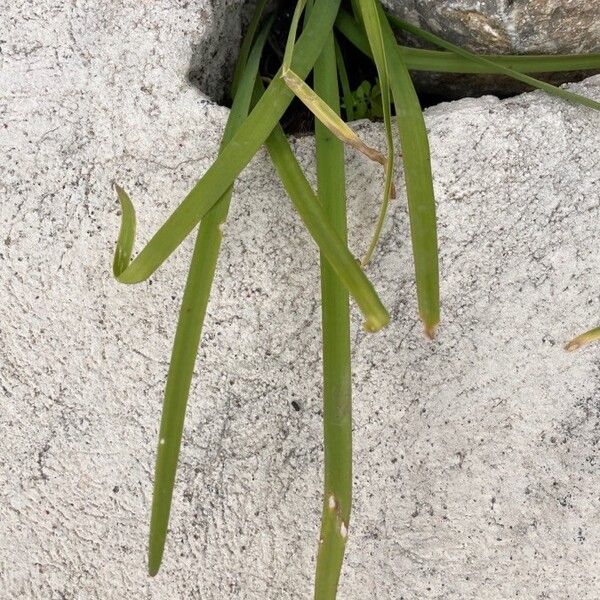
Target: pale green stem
(419,59)
(337,380)
(189,327)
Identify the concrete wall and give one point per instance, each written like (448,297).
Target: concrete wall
(476,455)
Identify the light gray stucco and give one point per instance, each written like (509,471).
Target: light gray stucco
(477,458)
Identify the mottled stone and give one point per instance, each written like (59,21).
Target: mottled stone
(508,26)
(503,27)
(476,455)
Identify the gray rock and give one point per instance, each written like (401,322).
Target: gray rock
(476,455)
(503,27)
(508,26)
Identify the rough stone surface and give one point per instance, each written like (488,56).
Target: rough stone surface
(502,27)
(508,26)
(476,455)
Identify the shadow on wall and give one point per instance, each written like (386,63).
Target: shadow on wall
(213,58)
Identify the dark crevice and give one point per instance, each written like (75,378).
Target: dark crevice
(298,119)
(211,69)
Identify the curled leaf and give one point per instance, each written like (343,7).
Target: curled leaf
(126,237)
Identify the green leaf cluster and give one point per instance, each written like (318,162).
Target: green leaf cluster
(254,122)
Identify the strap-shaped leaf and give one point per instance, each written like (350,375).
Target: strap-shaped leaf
(316,221)
(246,46)
(371,21)
(337,379)
(190,322)
(345,84)
(419,184)
(126,237)
(419,59)
(497,68)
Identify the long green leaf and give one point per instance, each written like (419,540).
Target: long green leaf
(419,59)
(189,326)
(419,184)
(372,24)
(345,84)
(291,38)
(246,46)
(236,154)
(337,381)
(498,68)
(330,244)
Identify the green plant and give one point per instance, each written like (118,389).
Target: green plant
(364,102)
(254,121)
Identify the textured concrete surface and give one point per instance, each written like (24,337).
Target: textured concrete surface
(477,462)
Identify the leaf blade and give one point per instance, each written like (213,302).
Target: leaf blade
(498,68)
(419,185)
(330,244)
(445,61)
(190,323)
(337,379)
(373,27)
